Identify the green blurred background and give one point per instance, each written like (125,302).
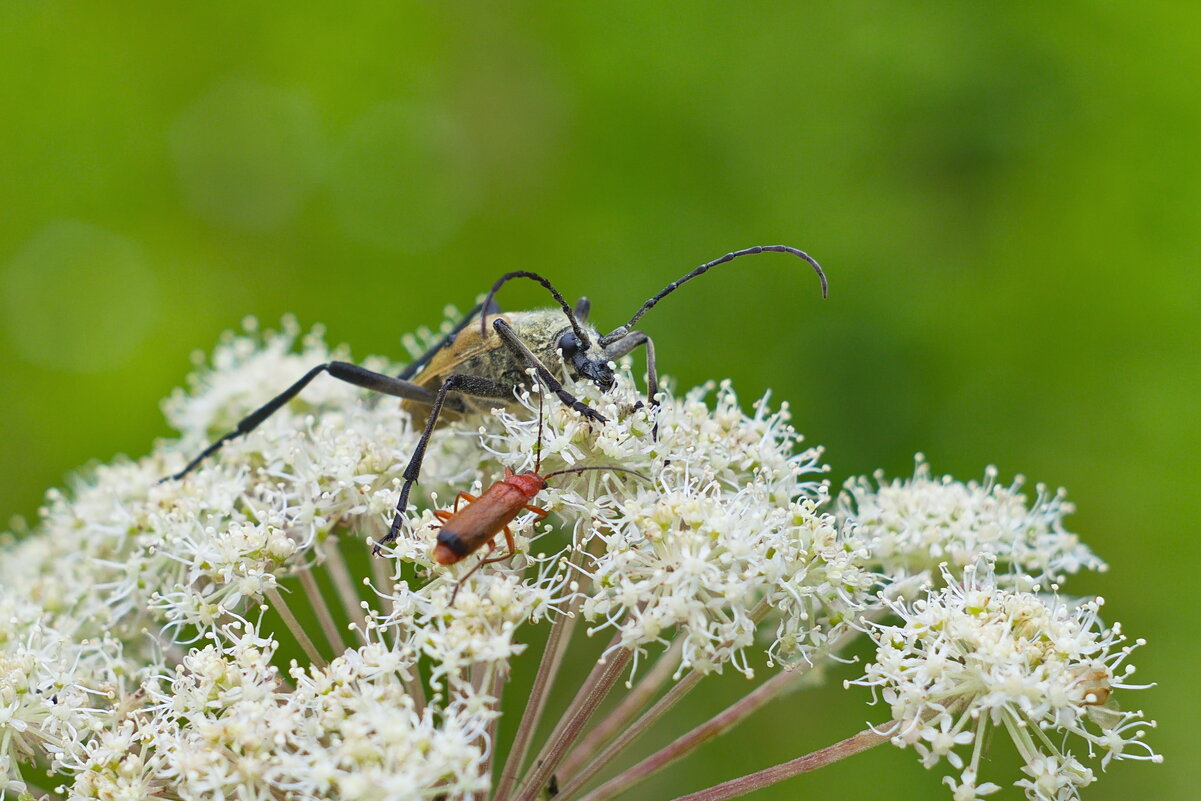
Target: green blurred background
(1006,200)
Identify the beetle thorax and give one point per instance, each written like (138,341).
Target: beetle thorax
(529,484)
(550,336)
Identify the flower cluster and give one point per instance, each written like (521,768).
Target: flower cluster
(229,635)
(227,724)
(914,525)
(56,691)
(973,656)
(725,534)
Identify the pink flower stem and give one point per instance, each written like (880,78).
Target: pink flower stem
(868,738)
(548,668)
(596,687)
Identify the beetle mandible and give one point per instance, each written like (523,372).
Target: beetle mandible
(484,368)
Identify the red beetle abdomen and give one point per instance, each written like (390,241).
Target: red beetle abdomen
(444,554)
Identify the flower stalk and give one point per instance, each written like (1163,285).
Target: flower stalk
(868,738)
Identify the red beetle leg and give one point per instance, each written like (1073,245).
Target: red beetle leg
(464,496)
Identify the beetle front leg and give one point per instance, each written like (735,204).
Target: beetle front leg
(626,345)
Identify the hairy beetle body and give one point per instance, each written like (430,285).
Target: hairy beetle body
(472,353)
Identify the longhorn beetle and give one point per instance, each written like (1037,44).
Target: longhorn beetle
(467,530)
(484,368)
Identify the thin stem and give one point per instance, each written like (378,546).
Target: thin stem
(324,616)
(344,584)
(868,738)
(415,688)
(630,706)
(294,626)
(716,725)
(383,587)
(628,735)
(496,688)
(590,696)
(552,657)
(383,584)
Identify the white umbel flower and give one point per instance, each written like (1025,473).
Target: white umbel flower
(230,635)
(913,525)
(972,657)
(726,532)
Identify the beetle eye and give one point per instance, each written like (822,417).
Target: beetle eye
(569,343)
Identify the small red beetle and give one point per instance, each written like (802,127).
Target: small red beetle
(464,531)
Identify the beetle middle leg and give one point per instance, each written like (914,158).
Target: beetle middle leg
(465,384)
(540,514)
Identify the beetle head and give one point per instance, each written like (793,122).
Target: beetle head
(586,361)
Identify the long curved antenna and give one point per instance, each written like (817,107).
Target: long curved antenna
(597,467)
(618,333)
(576,328)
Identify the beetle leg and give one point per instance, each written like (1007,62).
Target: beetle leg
(488,561)
(443,515)
(466,384)
(343,371)
(627,344)
(582,307)
(538,510)
(464,496)
(509,541)
(522,351)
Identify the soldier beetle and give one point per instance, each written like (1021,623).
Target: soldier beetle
(465,530)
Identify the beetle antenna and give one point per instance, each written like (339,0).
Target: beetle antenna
(618,333)
(597,467)
(576,328)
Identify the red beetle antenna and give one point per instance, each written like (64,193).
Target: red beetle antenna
(597,467)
